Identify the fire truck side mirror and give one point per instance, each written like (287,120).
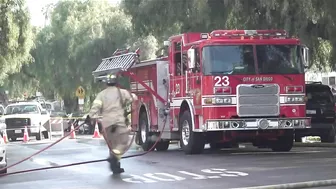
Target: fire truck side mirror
(191,58)
(305,55)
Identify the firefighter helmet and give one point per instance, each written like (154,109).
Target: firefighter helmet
(111,79)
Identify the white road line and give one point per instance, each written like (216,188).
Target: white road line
(263,153)
(214,177)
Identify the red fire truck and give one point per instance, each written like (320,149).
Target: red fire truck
(219,88)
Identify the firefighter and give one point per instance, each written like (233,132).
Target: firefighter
(111,103)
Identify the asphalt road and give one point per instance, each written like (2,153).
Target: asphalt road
(229,168)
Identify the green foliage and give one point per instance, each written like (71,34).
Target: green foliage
(81,33)
(148,46)
(311,20)
(16,37)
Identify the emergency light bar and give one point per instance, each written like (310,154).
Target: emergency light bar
(204,35)
(249,33)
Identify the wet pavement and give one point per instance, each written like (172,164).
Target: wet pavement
(228,168)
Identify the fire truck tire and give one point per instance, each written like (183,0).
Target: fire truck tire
(162,146)
(191,142)
(143,134)
(283,144)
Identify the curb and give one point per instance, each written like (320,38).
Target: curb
(296,144)
(317,144)
(308,184)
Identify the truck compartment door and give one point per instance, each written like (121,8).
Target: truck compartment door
(162,73)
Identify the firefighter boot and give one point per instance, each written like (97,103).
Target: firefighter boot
(114,161)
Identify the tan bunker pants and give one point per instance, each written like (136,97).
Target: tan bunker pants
(117,137)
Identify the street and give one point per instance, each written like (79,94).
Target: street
(228,168)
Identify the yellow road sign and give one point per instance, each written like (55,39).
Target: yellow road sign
(80,92)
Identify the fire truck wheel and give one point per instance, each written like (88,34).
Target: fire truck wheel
(162,146)
(283,144)
(144,135)
(191,142)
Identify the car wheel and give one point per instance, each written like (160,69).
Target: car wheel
(45,134)
(328,138)
(38,136)
(5,170)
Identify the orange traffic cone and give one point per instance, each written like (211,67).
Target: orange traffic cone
(5,137)
(73,134)
(25,135)
(96,133)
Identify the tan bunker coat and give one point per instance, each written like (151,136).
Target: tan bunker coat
(108,103)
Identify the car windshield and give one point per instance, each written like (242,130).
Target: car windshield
(320,96)
(239,59)
(21,109)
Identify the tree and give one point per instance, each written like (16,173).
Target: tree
(312,22)
(15,37)
(80,34)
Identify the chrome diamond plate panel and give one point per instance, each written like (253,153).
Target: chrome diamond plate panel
(258,100)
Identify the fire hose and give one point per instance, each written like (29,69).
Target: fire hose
(78,163)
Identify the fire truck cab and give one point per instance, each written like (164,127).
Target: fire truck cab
(219,88)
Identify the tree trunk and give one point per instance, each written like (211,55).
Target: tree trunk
(3,98)
(70,104)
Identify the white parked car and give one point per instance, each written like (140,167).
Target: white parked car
(2,123)
(26,114)
(3,155)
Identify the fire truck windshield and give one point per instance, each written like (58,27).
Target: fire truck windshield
(239,59)
(279,59)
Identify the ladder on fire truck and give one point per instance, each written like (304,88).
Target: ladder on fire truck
(120,62)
